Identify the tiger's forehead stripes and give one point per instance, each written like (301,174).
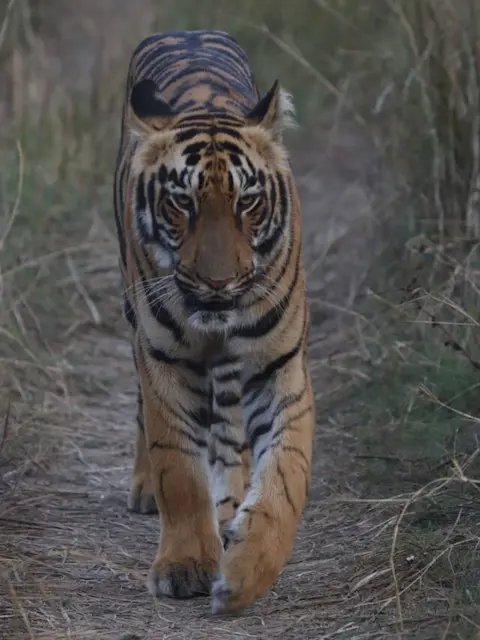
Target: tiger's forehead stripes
(204,155)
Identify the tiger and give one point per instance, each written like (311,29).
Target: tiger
(209,230)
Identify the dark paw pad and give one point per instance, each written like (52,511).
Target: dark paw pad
(180,581)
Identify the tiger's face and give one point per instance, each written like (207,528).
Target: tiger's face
(211,205)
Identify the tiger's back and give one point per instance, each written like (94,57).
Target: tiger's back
(209,230)
(200,70)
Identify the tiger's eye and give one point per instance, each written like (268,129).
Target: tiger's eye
(182,200)
(247,201)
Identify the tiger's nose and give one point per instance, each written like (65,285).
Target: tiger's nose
(219,284)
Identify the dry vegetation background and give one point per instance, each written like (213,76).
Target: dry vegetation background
(387,160)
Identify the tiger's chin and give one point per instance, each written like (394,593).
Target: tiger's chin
(210,313)
(219,322)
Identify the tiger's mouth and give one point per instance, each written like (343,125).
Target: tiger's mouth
(204,302)
(210,304)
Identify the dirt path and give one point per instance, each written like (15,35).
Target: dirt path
(78,559)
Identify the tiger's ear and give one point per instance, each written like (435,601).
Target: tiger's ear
(149,111)
(274,112)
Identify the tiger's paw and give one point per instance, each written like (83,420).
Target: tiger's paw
(183,578)
(248,569)
(141,498)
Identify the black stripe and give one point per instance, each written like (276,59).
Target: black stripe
(140,199)
(184,417)
(134,355)
(162,174)
(161,314)
(226,361)
(265,427)
(298,451)
(228,465)
(201,417)
(198,391)
(161,356)
(258,412)
(188,134)
(209,128)
(283,193)
(225,145)
(265,247)
(278,278)
(216,418)
(227,399)
(229,442)
(174,447)
(271,240)
(258,432)
(119,209)
(152,196)
(226,500)
(286,264)
(269,320)
(259,379)
(228,376)
(277,435)
(224,121)
(262,453)
(195,147)
(199,442)
(253,171)
(129,312)
(285,488)
(289,400)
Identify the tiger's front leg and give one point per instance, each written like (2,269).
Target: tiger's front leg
(280,421)
(230,454)
(189,548)
(141,498)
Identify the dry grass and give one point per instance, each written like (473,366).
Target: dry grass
(389,542)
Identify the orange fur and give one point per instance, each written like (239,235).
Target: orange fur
(208,388)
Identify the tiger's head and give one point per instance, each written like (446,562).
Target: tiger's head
(211,198)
